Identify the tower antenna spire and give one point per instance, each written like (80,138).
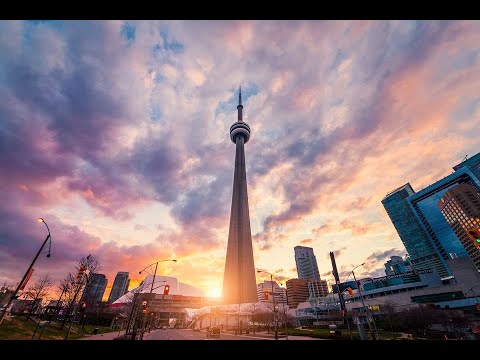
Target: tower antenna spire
(240,106)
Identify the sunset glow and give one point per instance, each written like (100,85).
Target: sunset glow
(117,134)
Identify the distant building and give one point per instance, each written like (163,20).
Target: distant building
(396,265)
(317,288)
(461,208)
(94,290)
(306,262)
(120,286)
(280,293)
(297,292)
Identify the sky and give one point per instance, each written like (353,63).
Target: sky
(116,133)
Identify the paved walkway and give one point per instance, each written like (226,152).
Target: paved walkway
(106,336)
(258,335)
(271,336)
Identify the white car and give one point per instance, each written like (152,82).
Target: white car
(164,327)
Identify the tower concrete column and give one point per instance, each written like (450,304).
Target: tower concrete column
(239,284)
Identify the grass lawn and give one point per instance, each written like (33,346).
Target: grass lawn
(17,328)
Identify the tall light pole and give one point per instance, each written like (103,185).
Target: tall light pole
(155,272)
(363,301)
(273,302)
(28,273)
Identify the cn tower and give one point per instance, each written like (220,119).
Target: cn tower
(239,285)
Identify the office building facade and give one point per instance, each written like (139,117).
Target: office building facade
(297,292)
(306,263)
(461,208)
(120,286)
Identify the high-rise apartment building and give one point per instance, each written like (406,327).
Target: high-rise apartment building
(120,286)
(306,262)
(461,208)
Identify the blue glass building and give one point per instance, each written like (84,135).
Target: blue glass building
(426,234)
(422,252)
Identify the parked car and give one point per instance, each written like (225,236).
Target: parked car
(164,327)
(213,332)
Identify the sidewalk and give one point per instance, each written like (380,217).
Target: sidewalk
(107,336)
(271,336)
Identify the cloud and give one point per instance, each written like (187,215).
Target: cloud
(140,227)
(306,241)
(337,252)
(109,125)
(384,255)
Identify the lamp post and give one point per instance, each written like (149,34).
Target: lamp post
(155,272)
(273,302)
(363,301)
(28,273)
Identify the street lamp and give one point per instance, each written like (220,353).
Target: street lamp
(155,272)
(29,271)
(273,302)
(363,301)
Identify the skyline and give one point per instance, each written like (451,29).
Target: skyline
(117,134)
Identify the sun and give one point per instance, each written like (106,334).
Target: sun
(214,292)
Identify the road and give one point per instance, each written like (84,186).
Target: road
(184,334)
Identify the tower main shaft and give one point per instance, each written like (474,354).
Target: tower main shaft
(239,285)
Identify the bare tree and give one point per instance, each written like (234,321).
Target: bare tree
(420,319)
(265,318)
(72,286)
(453,321)
(39,290)
(254,308)
(6,292)
(390,309)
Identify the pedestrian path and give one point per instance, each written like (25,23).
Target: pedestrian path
(106,336)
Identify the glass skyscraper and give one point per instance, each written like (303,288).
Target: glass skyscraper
(422,252)
(94,290)
(120,286)
(425,232)
(306,262)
